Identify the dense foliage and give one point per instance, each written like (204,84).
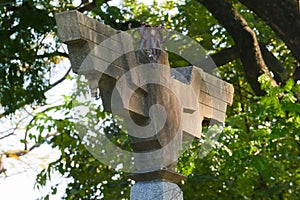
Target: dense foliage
(257,155)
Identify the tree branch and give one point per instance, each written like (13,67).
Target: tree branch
(225,56)
(23,152)
(12,129)
(5,136)
(108,20)
(280,74)
(229,54)
(32,120)
(296,74)
(61,79)
(57,53)
(283,17)
(245,39)
(87,7)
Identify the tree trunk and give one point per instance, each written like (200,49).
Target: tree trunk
(245,39)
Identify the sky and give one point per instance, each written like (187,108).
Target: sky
(21,172)
(20,181)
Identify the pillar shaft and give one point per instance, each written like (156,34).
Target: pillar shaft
(155,190)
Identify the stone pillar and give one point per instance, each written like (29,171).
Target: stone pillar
(155,190)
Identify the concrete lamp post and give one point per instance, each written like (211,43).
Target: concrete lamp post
(162,106)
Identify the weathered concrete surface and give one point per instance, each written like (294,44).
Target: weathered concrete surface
(186,95)
(87,42)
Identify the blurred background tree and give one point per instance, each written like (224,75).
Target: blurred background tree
(255,45)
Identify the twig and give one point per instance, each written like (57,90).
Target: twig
(23,152)
(87,7)
(57,53)
(62,79)
(12,129)
(26,132)
(5,136)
